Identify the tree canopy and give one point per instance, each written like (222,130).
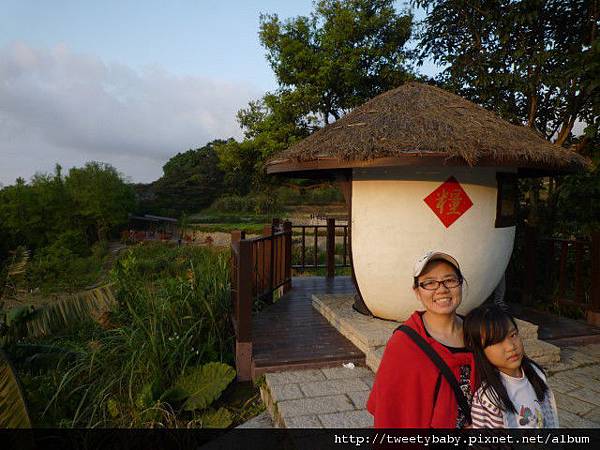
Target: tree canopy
(343,53)
(90,201)
(191,180)
(326,63)
(535,62)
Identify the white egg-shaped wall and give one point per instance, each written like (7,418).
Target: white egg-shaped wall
(392,226)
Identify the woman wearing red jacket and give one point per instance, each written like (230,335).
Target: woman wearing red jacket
(410,390)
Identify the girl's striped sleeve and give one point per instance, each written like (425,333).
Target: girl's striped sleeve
(484,414)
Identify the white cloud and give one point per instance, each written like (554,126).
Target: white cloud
(59,106)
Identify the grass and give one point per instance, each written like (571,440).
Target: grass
(173,315)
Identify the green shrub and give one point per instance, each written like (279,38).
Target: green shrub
(68,264)
(261,203)
(173,316)
(234,203)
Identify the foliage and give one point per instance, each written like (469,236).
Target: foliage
(66,265)
(13,413)
(90,203)
(172,316)
(321,194)
(344,53)
(254,203)
(190,182)
(577,209)
(535,62)
(199,386)
(100,197)
(31,321)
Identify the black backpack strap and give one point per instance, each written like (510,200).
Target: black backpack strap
(463,404)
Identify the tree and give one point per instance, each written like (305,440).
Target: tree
(102,200)
(535,62)
(191,181)
(344,53)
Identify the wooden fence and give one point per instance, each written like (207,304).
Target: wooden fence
(567,271)
(259,266)
(330,232)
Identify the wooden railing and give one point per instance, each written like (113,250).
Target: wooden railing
(565,270)
(330,232)
(259,266)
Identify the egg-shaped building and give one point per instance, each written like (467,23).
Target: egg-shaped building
(423,169)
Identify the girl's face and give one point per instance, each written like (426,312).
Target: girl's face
(507,354)
(442,300)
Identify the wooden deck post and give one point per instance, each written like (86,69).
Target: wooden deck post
(243,342)
(330,243)
(529,265)
(287,228)
(593,314)
(267,262)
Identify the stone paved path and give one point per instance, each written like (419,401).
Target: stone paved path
(576,385)
(336,397)
(320,398)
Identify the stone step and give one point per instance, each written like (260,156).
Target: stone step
(527,330)
(363,331)
(542,352)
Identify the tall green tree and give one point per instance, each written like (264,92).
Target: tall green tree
(343,53)
(535,62)
(191,181)
(326,63)
(101,198)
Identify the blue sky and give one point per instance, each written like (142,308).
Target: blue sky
(124,82)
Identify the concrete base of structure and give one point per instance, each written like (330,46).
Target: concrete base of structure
(370,334)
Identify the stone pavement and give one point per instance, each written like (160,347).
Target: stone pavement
(320,398)
(336,397)
(576,385)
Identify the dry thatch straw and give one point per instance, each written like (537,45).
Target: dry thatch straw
(419,120)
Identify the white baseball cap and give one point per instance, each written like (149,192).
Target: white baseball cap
(433,256)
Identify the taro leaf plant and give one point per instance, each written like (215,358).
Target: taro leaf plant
(194,392)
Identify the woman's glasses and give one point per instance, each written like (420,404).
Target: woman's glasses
(432,285)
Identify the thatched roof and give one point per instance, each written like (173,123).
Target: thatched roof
(423,125)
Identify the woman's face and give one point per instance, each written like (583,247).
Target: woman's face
(442,300)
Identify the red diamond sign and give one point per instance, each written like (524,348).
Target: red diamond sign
(449,201)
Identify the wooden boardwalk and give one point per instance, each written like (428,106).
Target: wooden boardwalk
(556,329)
(291,334)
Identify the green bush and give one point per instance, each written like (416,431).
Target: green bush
(173,316)
(233,203)
(262,203)
(68,264)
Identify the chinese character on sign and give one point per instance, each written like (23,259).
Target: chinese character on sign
(449,201)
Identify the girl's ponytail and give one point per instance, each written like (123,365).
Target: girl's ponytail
(539,386)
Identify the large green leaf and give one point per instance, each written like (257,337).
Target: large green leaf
(13,410)
(220,418)
(204,384)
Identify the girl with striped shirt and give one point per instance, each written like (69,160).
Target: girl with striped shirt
(510,389)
